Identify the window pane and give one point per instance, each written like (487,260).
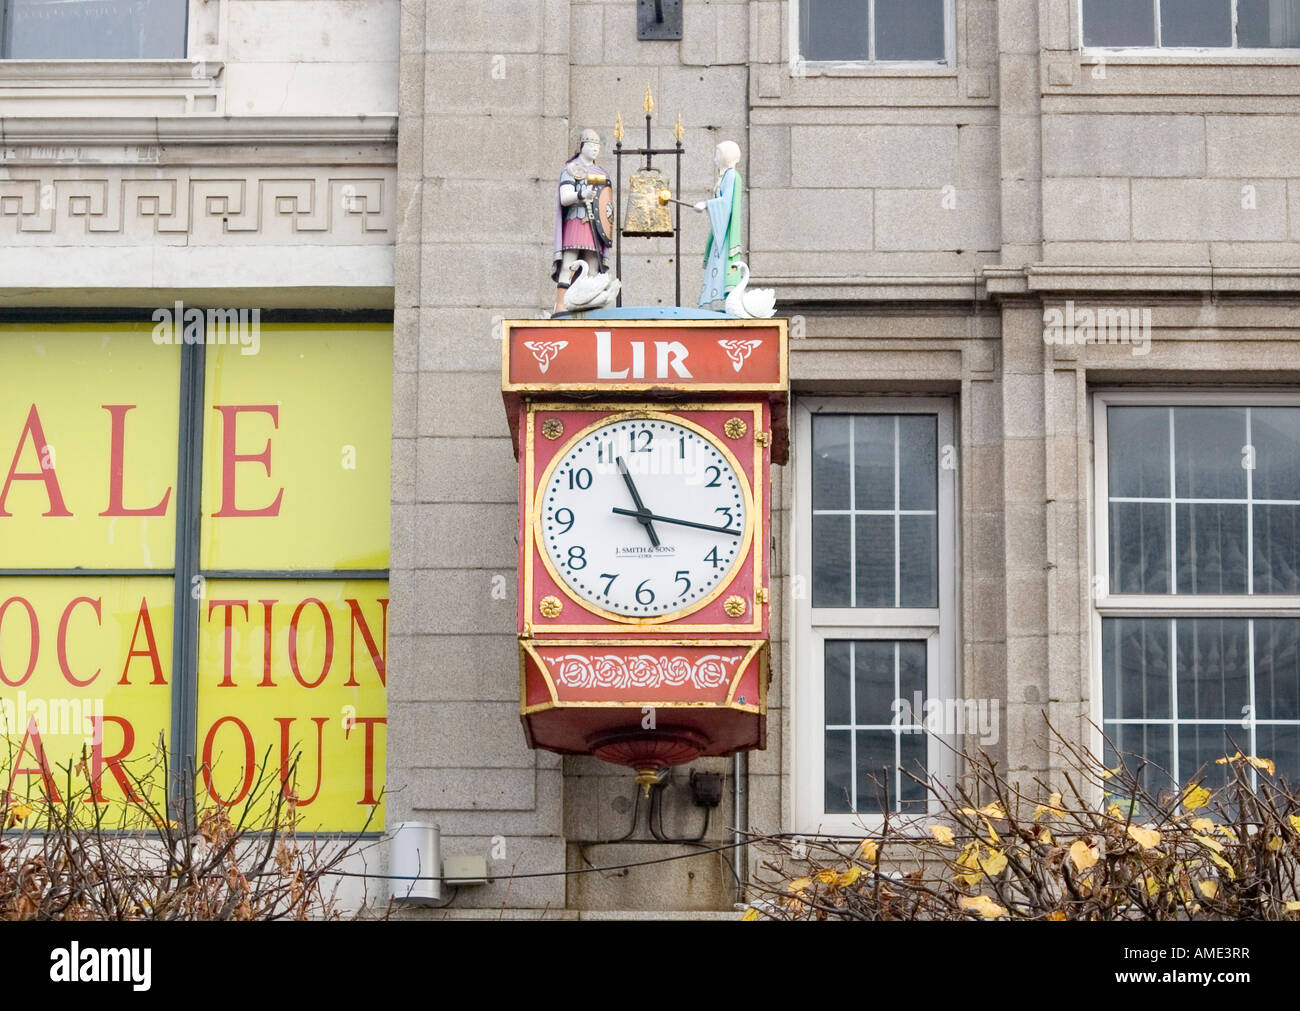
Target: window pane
(1139,547)
(1119,23)
(95,29)
(918,559)
(1276,535)
(1208,443)
(833,29)
(118,648)
(295,447)
(1268,24)
(911,670)
(1135,668)
(873,456)
(1199,744)
(918,463)
(875,548)
(1282,744)
(836,654)
(1213,668)
(67,449)
(1275,434)
(912,758)
(1146,751)
(1277,669)
(831,561)
(839,771)
(877,785)
(276,657)
(874,670)
(830,465)
(909,30)
(1211,548)
(1196,22)
(1138,451)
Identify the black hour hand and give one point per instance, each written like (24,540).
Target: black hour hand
(642,514)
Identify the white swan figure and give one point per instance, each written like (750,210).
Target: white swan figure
(590,291)
(755,303)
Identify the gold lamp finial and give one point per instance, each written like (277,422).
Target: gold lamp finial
(649,103)
(618,128)
(679,131)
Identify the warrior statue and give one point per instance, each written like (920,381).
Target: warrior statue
(583,221)
(722,252)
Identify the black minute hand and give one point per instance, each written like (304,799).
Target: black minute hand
(645,517)
(641,514)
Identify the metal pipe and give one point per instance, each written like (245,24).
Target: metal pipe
(740,819)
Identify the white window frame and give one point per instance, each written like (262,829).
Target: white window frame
(813,626)
(1171,605)
(802,66)
(1283,54)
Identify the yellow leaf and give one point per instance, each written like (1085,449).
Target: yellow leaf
(1293,907)
(1205,825)
(1045,837)
(1056,914)
(993,810)
(1224,864)
(994,864)
(751,914)
(1108,773)
(1082,855)
(1152,885)
(1195,797)
(1052,807)
(942,833)
(1208,843)
(1295,821)
(869,849)
(21,811)
(1115,812)
(983,905)
(969,856)
(1208,888)
(1267,764)
(1275,844)
(850,877)
(799,885)
(828,876)
(1147,838)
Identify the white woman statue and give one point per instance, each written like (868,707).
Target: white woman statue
(580,235)
(722,252)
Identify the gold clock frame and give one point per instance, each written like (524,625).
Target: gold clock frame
(614,412)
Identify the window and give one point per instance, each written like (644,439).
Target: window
(874,590)
(877,31)
(1210,24)
(93,29)
(194,550)
(1198,587)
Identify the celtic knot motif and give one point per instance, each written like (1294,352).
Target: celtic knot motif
(545,351)
(738,351)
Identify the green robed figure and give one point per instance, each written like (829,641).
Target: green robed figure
(722,251)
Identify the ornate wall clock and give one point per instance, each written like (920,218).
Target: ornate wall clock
(645,450)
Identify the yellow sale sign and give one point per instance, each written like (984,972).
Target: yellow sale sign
(85,689)
(88,434)
(291,698)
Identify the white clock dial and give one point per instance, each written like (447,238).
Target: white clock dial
(644,517)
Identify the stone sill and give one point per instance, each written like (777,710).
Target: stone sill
(1098,55)
(213,129)
(109,74)
(1142,277)
(805,69)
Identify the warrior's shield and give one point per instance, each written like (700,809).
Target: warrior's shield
(604,216)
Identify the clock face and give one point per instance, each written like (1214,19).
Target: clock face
(644,517)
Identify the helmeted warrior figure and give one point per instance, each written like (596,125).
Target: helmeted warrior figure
(579,232)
